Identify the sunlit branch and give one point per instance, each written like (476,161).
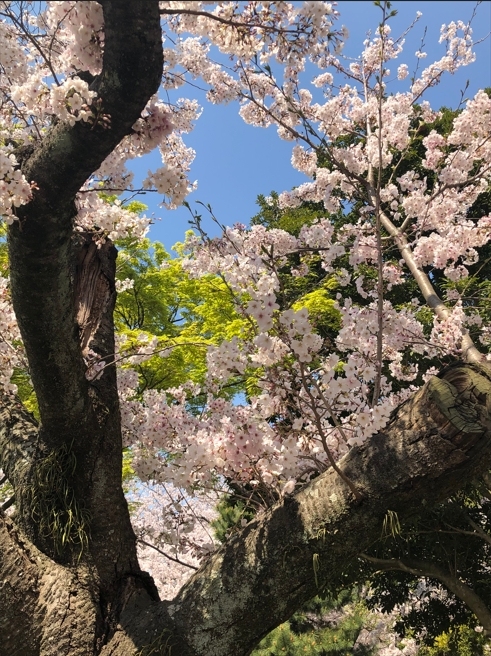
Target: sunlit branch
(226,21)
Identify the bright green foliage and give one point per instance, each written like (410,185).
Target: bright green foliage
(323,312)
(231,514)
(461,640)
(128,472)
(291,220)
(183,314)
(6,491)
(134,206)
(324,627)
(25,391)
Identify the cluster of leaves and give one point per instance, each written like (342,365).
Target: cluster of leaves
(51,500)
(324,627)
(460,640)
(175,314)
(232,513)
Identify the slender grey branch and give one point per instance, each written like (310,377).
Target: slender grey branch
(227,21)
(470,353)
(166,555)
(478,530)
(431,570)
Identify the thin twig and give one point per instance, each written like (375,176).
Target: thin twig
(318,422)
(7,504)
(162,553)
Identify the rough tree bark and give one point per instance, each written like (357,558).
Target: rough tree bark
(70,582)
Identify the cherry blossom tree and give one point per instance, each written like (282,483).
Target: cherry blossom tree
(327,446)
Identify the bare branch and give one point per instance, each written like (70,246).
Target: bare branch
(431,570)
(166,555)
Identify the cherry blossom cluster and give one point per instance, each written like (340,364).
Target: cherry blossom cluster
(37,103)
(325,402)
(40,58)
(79,31)
(71,100)
(260,31)
(173,532)
(447,333)
(459,53)
(277,30)
(14,188)
(108,220)
(174,446)
(377,52)
(39,84)
(159,126)
(12,57)
(11,351)
(124,285)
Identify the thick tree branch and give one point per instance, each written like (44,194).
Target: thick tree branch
(63,295)
(45,608)
(67,603)
(18,593)
(434,443)
(422,568)
(40,246)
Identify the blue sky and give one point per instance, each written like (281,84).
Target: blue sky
(235,162)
